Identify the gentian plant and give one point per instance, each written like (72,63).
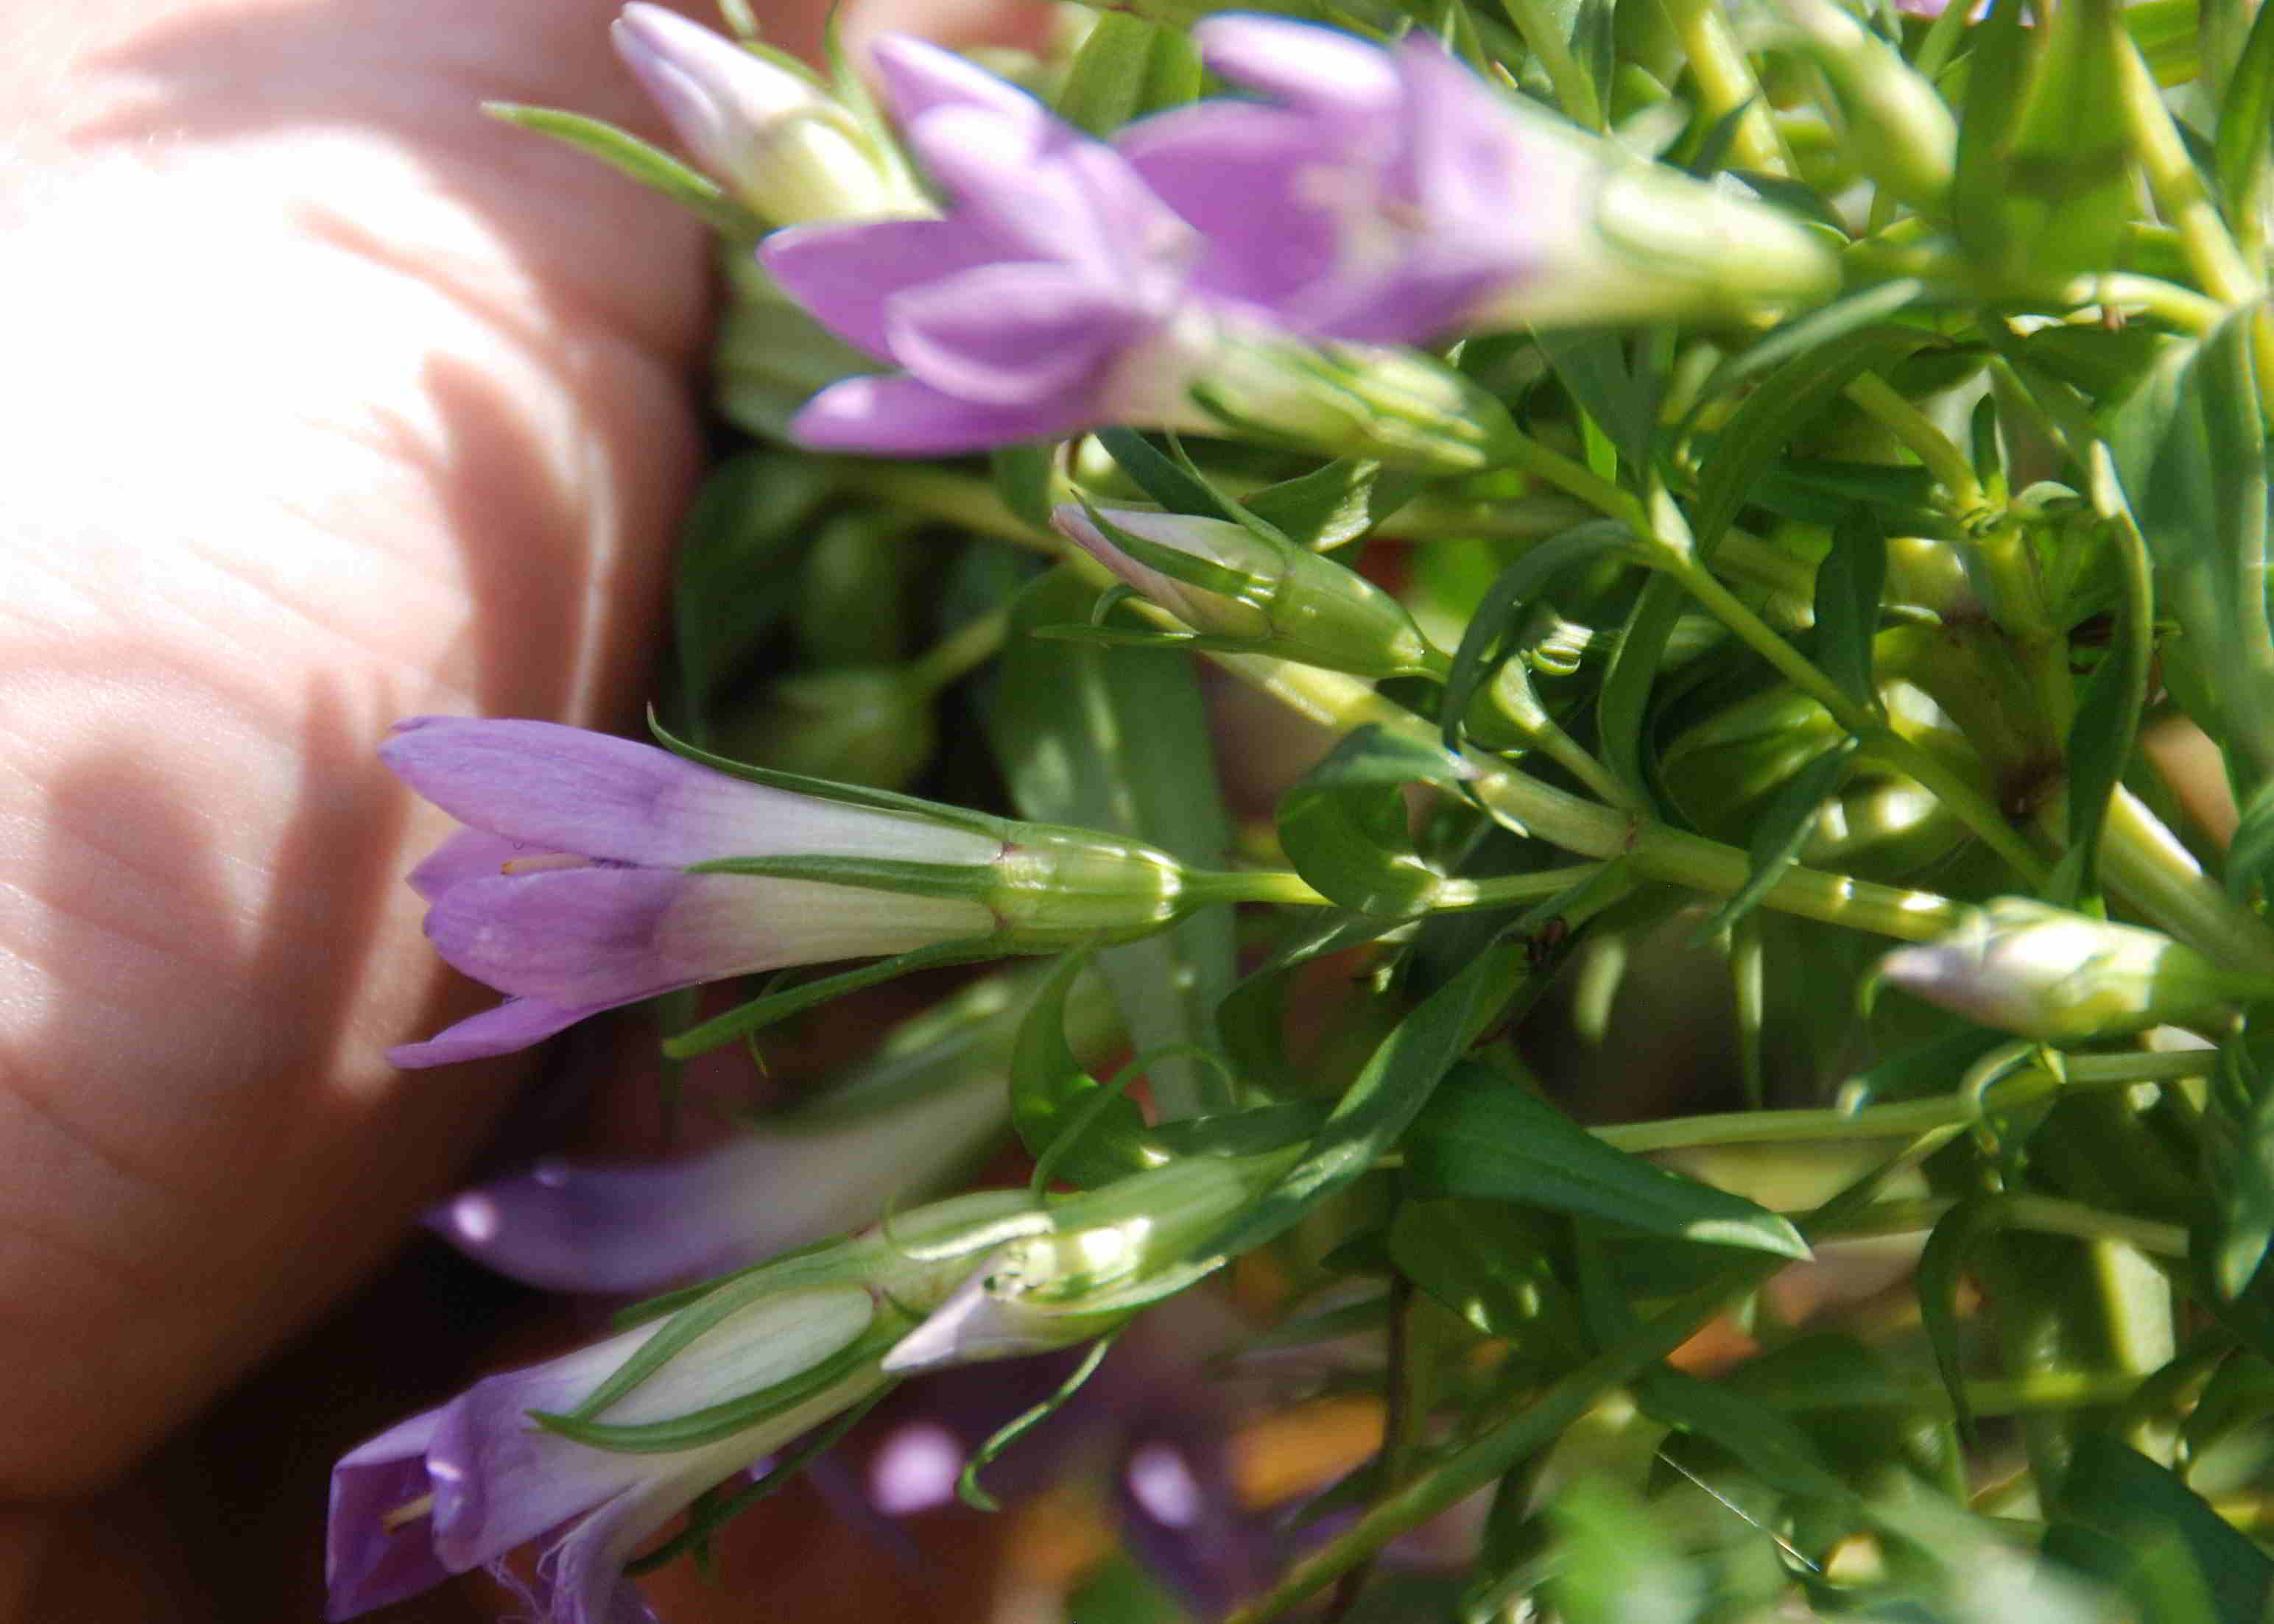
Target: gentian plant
(1616,668)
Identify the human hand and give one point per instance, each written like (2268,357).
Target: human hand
(330,401)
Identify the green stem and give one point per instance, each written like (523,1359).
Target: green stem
(1964,802)
(1276,885)
(2146,866)
(965,647)
(939,493)
(1929,444)
(1514,448)
(1726,84)
(1574,86)
(2043,1214)
(1344,703)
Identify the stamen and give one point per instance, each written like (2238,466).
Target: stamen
(409,1511)
(543,860)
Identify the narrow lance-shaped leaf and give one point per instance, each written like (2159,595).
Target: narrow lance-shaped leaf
(1052,1095)
(1785,826)
(1117,740)
(1342,824)
(1849,583)
(1484,1136)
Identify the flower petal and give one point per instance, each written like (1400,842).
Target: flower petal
(920,78)
(470,854)
(566,789)
(642,1228)
(844,274)
(367,1564)
(514,1025)
(1009,334)
(1320,71)
(1239,173)
(905,416)
(592,937)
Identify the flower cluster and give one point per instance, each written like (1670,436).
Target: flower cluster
(1234,263)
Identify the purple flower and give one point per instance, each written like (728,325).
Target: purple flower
(1047,301)
(641,1227)
(464,1486)
(569,890)
(1392,197)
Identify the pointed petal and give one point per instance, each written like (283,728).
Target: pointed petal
(470,854)
(366,1564)
(1238,172)
(920,78)
(1318,70)
(844,274)
(642,1228)
(514,1025)
(566,789)
(1009,334)
(904,416)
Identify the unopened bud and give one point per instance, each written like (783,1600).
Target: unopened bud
(763,130)
(1228,580)
(2046,973)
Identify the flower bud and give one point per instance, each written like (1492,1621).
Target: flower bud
(763,129)
(2046,973)
(1228,580)
(1104,1256)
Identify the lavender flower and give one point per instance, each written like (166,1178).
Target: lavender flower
(1392,197)
(1057,296)
(569,892)
(760,124)
(463,1487)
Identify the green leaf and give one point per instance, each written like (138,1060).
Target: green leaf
(1382,1100)
(1159,476)
(733,584)
(1615,1565)
(2238,1145)
(1486,1137)
(1622,702)
(1941,1269)
(1333,506)
(1770,1446)
(1127,67)
(2107,718)
(1790,399)
(2138,1526)
(1486,642)
(650,166)
(2246,123)
(1849,583)
(2191,455)
(1805,336)
(2252,849)
(1342,824)
(1117,740)
(1594,371)
(1785,825)
(1052,1096)
(1489,1264)
(2040,196)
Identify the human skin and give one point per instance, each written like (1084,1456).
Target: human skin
(328,401)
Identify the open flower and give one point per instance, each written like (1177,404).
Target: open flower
(569,891)
(1044,303)
(1057,296)
(1392,197)
(464,1486)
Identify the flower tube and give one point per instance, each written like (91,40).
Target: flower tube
(596,872)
